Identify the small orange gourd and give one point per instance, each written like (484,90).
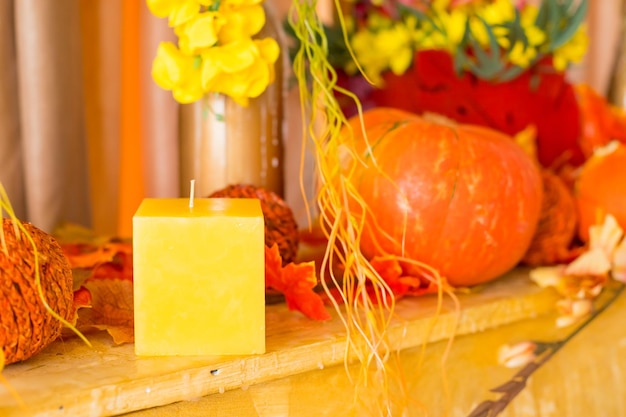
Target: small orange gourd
(600,188)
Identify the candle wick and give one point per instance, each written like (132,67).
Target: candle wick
(192,191)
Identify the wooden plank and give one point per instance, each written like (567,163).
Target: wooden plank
(587,377)
(70,379)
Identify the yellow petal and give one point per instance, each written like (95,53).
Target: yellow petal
(185,96)
(172,70)
(167,65)
(210,69)
(269,49)
(237,55)
(241,23)
(240,3)
(161,8)
(401,61)
(200,32)
(184,11)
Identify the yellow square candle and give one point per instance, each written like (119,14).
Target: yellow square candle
(199,277)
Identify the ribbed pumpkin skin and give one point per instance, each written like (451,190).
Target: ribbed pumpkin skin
(466,200)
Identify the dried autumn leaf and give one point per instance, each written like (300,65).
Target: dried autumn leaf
(104,295)
(605,236)
(583,279)
(111,308)
(618,272)
(403,278)
(87,256)
(296,283)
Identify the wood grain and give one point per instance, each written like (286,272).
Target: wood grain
(72,379)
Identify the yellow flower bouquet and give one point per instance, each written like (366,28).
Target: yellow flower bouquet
(216,51)
(498,63)
(494,39)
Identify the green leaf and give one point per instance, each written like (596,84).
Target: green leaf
(574,23)
(510,73)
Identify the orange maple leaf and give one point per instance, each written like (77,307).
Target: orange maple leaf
(403,278)
(296,283)
(104,298)
(89,256)
(111,309)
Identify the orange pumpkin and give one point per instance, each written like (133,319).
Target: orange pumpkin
(463,199)
(600,188)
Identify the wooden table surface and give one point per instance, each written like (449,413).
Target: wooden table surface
(303,373)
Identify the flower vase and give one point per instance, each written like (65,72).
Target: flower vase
(224,143)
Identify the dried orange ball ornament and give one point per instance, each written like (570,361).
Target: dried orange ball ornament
(26,325)
(280,224)
(557,224)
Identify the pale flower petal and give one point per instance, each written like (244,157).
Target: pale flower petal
(566,321)
(605,236)
(593,262)
(514,356)
(618,271)
(572,311)
(548,276)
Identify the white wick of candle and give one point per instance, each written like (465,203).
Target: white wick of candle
(192,191)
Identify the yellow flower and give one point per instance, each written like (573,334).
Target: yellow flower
(492,14)
(522,56)
(175,71)
(200,32)
(241,69)
(390,47)
(497,12)
(178,11)
(241,22)
(396,44)
(455,26)
(240,3)
(572,51)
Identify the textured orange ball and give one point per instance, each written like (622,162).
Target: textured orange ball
(463,199)
(26,326)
